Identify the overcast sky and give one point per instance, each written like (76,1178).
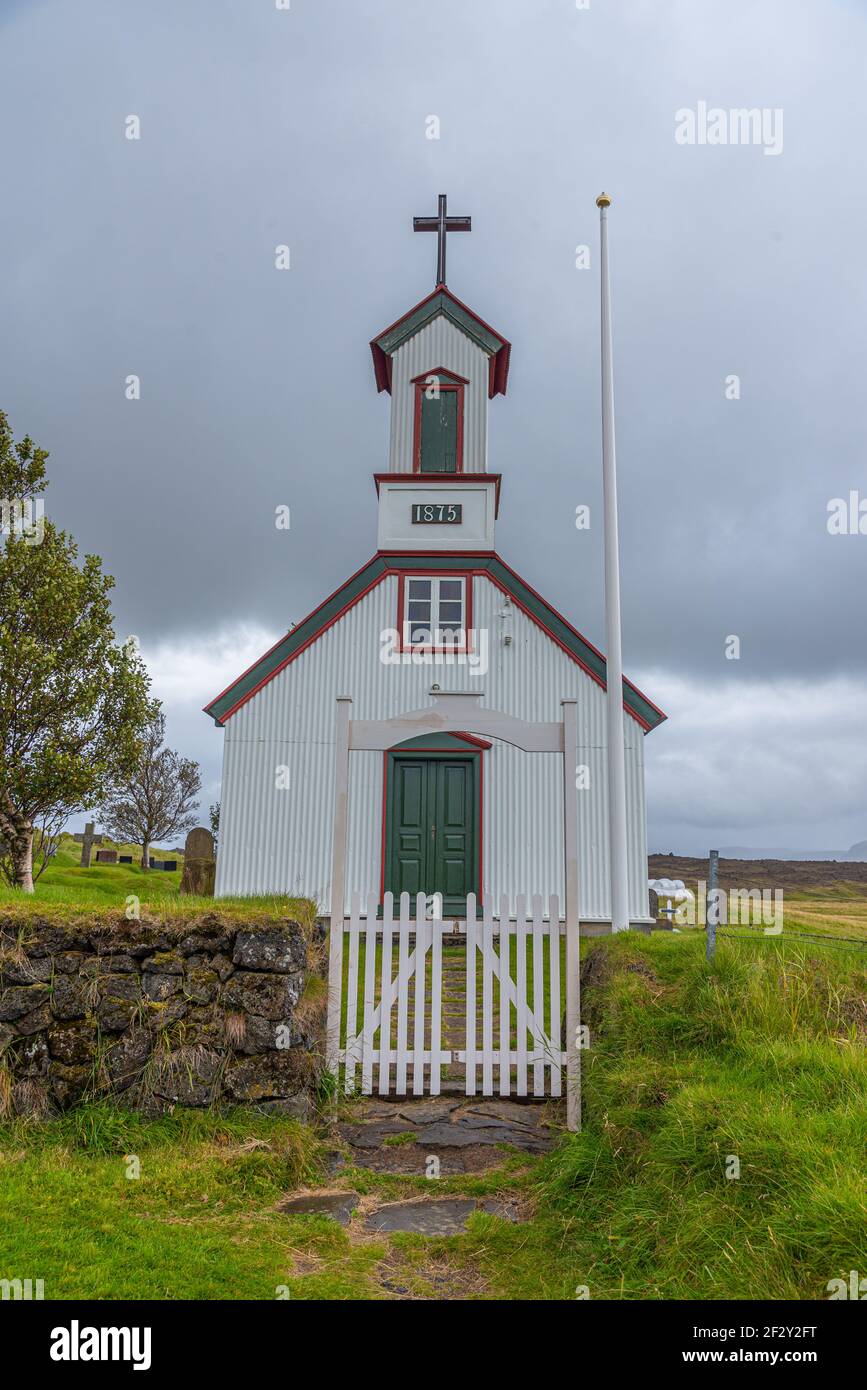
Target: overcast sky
(307,126)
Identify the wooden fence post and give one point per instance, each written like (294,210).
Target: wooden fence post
(338,881)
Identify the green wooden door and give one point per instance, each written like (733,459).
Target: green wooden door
(432,823)
(439,433)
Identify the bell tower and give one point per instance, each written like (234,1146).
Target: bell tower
(441,365)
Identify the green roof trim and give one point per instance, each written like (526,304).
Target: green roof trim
(594,661)
(441,303)
(288,646)
(375,570)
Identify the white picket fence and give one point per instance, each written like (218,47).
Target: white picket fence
(391,1022)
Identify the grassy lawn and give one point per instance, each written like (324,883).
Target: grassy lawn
(759,1059)
(70,890)
(837,910)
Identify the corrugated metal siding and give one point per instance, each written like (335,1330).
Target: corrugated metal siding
(280,840)
(439,344)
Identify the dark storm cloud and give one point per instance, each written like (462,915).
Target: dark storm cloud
(307,127)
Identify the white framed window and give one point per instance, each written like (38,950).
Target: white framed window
(435,611)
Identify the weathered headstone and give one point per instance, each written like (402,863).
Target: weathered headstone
(125,859)
(199,864)
(106,856)
(78,837)
(88,840)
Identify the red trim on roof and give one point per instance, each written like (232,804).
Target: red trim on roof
(438,289)
(581,638)
(498,371)
(206,708)
(394,570)
(314,637)
(439,371)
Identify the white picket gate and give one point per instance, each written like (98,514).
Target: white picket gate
(391,1016)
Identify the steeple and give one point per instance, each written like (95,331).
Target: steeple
(441,364)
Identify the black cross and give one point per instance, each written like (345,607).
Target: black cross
(442,225)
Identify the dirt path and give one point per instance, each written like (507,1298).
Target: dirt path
(422,1168)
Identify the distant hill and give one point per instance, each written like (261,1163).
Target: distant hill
(790,874)
(856,854)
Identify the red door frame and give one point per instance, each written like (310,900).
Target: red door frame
(477,752)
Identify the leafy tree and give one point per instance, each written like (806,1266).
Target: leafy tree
(72,702)
(214,815)
(157,799)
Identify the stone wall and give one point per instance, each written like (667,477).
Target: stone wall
(159,1014)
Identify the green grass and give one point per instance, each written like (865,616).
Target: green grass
(760,1056)
(835,910)
(70,891)
(101,885)
(197,1223)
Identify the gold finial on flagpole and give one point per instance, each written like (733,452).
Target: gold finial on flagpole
(604,200)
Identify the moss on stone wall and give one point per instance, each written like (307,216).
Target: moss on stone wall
(188,1008)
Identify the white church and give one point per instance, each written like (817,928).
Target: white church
(435,615)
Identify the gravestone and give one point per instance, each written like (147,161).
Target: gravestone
(106,856)
(199,864)
(87,841)
(125,859)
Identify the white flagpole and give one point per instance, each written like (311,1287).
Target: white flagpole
(614,656)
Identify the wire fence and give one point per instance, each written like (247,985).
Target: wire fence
(761,932)
(736,931)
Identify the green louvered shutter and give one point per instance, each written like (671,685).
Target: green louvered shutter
(439,433)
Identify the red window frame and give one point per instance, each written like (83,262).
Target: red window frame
(454,383)
(403,576)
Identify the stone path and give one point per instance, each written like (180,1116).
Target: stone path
(444,1134)
(424,1138)
(339,1205)
(437,1216)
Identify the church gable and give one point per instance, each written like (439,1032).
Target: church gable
(462,573)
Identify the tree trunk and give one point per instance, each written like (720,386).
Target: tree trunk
(146,856)
(23,860)
(18,831)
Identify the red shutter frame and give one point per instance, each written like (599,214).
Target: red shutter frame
(455,383)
